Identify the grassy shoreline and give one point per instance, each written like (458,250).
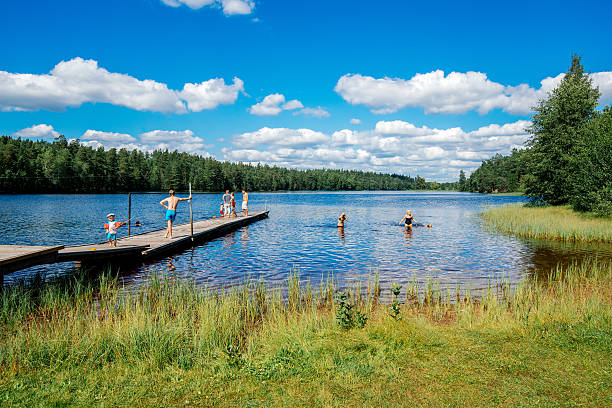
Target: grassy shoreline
(171,344)
(553,223)
(509,194)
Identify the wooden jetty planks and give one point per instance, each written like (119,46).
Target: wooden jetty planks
(99,251)
(150,244)
(135,247)
(15,257)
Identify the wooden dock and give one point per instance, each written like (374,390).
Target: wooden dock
(133,248)
(16,257)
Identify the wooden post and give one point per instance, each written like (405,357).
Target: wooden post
(191,212)
(129,213)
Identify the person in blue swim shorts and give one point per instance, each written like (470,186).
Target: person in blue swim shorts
(170,205)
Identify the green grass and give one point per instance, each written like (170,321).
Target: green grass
(509,194)
(545,343)
(553,223)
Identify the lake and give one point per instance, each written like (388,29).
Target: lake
(301,235)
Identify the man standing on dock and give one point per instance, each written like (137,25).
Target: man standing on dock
(245,203)
(227,204)
(171,210)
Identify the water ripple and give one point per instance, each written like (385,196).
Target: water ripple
(301,235)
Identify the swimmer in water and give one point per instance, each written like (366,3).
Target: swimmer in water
(408,220)
(341,220)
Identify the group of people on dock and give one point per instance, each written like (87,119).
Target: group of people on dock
(228,209)
(228,204)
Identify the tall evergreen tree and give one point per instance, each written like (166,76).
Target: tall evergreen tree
(593,177)
(559,125)
(462,181)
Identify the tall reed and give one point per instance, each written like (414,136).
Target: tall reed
(555,223)
(173,323)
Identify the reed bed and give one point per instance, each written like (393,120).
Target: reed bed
(171,343)
(553,223)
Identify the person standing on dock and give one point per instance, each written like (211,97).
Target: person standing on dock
(227,203)
(171,210)
(111,229)
(245,203)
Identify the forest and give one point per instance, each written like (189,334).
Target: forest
(499,174)
(38,166)
(568,158)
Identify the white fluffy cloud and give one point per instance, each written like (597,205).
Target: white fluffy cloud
(274,104)
(38,131)
(434,152)
(392,146)
(77,81)
(162,136)
(280,137)
(508,129)
(183,141)
(604,81)
(346,137)
(211,93)
(317,112)
(399,127)
(454,93)
(355,121)
(107,136)
(229,7)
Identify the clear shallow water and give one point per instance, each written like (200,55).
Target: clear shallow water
(301,234)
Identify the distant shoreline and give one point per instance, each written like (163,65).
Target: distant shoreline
(253,191)
(509,194)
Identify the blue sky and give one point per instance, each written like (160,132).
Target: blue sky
(391,86)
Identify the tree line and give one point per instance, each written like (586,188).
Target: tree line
(568,159)
(38,166)
(498,174)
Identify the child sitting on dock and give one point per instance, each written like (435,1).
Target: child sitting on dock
(111,229)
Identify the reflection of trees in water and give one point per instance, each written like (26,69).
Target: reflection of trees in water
(546,255)
(228,239)
(244,238)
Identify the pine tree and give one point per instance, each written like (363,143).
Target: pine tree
(462,181)
(558,129)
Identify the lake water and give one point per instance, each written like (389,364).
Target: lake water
(301,235)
